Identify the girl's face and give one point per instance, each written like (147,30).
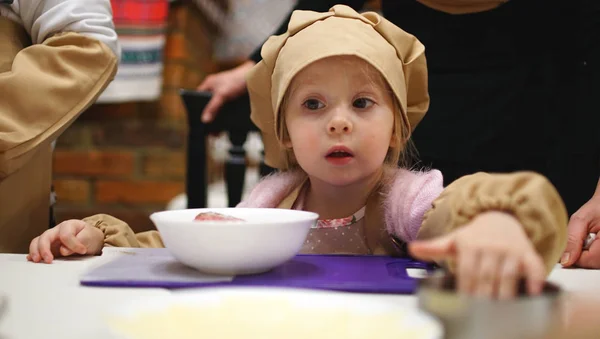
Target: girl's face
(340,120)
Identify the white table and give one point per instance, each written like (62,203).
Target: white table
(46,301)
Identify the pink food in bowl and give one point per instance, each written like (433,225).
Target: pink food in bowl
(213,216)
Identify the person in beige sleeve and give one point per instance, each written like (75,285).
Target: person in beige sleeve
(56,59)
(337,97)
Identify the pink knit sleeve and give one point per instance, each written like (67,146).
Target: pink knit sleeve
(410,196)
(271,190)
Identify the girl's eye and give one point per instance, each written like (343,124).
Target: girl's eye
(363,103)
(313,104)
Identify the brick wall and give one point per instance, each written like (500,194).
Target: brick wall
(128,159)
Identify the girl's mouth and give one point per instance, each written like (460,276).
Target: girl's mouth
(339,155)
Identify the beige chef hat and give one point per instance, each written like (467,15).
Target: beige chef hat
(312,36)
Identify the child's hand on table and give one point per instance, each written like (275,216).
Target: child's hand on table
(490,254)
(68,238)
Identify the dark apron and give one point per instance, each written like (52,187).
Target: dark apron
(576,166)
(505,92)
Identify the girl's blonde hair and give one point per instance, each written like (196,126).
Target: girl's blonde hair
(401,153)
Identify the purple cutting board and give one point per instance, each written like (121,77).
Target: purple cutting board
(366,274)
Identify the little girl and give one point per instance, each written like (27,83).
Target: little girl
(336,98)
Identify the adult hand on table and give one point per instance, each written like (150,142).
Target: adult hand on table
(583,222)
(224,86)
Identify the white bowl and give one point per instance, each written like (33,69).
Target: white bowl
(256,312)
(265,239)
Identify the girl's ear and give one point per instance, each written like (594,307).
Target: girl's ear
(394,141)
(286,141)
(396,138)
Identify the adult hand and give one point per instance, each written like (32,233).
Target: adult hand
(583,222)
(224,86)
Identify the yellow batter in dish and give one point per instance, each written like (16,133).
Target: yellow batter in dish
(253,318)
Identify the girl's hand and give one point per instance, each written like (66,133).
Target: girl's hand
(491,254)
(67,238)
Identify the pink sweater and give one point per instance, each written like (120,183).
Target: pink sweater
(406,201)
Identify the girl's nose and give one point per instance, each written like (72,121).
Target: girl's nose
(339,124)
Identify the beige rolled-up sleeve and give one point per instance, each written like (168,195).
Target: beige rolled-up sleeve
(117,233)
(47,87)
(528,196)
